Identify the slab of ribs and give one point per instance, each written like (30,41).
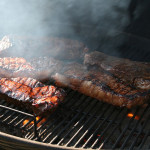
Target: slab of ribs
(117,81)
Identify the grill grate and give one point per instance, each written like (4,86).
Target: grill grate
(80,122)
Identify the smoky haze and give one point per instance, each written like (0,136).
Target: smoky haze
(78,19)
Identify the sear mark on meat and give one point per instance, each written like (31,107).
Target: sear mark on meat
(31,93)
(117,81)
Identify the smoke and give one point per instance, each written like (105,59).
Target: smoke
(78,19)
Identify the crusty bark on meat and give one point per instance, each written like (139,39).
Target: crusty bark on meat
(13,67)
(133,73)
(32,94)
(40,68)
(93,80)
(102,86)
(29,47)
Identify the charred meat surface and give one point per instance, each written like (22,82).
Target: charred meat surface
(30,47)
(101,77)
(40,68)
(32,94)
(129,72)
(12,67)
(101,85)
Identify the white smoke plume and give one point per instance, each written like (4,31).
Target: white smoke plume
(78,19)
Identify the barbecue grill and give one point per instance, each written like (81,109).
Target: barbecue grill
(79,123)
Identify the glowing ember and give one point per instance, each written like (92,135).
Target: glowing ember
(130,115)
(31,123)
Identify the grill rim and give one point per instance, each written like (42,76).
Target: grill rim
(13,141)
(26,143)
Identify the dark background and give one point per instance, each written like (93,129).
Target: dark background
(116,27)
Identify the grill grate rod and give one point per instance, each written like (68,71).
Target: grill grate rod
(92,125)
(13,120)
(19,122)
(98,128)
(107,128)
(79,113)
(144,140)
(58,118)
(114,129)
(55,129)
(119,138)
(76,123)
(144,125)
(63,135)
(5,113)
(91,116)
(15,110)
(86,130)
(133,129)
(23,113)
(9,115)
(53,115)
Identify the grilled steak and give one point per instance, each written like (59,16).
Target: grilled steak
(13,67)
(40,68)
(29,47)
(101,85)
(32,94)
(133,73)
(95,79)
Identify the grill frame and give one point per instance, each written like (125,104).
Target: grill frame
(14,141)
(6,139)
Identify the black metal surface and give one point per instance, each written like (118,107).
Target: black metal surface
(81,122)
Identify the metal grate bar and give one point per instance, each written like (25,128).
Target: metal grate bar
(81,129)
(135,140)
(133,129)
(83,107)
(92,125)
(8,117)
(91,116)
(54,116)
(32,135)
(20,112)
(77,115)
(98,118)
(107,128)
(4,112)
(20,121)
(68,115)
(15,110)
(13,120)
(82,122)
(102,124)
(144,140)
(114,129)
(26,124)
(125,128)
